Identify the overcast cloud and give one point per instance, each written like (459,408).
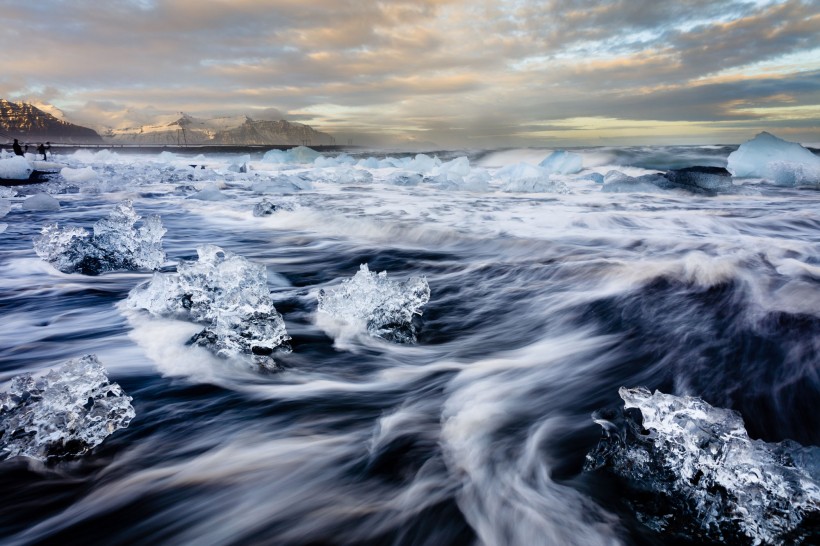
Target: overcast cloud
(460,73)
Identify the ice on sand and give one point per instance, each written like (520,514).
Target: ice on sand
(693,470)
(225,293)
(116,244)
(380,306)
(67,412)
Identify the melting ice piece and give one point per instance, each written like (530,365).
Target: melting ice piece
(563,162)
(115,244)
(691,469)
(41,202)
(526,178)
(15,168)
(385,308)
(618,182)
(228,295)
(766,156)
(297,155)
(264,208)
(65,413)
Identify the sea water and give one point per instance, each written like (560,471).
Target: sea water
(541,306)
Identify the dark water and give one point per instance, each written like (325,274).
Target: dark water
(541,306)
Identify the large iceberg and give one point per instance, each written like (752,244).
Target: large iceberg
(784,163)
(383,307)
(64,413)
(115,244)
(228,295)
(691,470)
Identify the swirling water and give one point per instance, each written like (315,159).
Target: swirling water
(541,307)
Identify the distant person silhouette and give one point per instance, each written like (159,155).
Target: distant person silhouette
(16,147)
(42,150)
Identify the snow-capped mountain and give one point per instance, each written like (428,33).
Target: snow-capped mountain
(30,124)
(232,130)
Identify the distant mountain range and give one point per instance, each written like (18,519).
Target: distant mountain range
(234,130)
(31,124)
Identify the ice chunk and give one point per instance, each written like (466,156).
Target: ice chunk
(783,162)
(459,166)
(65,413)
(422,163)
(692,469)
(563,162)
(15,168)
(526,178)
(347,175)
(209,192)
(78,176)
(283,184)
(41,202)
(618,182)
(382,307)
(228,295)
(114,245)
(405,179)
(477,180)
(341,159)
(5,207)
(297,155)
(264,208)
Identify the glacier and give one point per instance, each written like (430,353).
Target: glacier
(691,469)
(226,293)
(380,306)
(115,244)
(65,413)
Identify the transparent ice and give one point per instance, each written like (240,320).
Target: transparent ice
(698,463)
(383,307)
(526,178)
(116,244)
(766,156)
(563,162)
(228,295)
(41,202)
(67,412)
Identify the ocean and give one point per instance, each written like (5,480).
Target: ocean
(542,304)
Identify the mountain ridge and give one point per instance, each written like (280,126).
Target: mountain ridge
(229,130)
(28,123)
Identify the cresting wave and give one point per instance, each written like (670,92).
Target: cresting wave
(447,401)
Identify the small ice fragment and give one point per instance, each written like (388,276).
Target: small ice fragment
(210,192)
(41,202)
(563,162)
(228,295)
(681,456)
(382,307)
(264,208)
(65,413)
(115,244)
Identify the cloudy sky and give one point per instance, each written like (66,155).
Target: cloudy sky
(471,73)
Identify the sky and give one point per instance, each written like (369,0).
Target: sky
(458,73)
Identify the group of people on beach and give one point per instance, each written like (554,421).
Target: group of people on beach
(41,149)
